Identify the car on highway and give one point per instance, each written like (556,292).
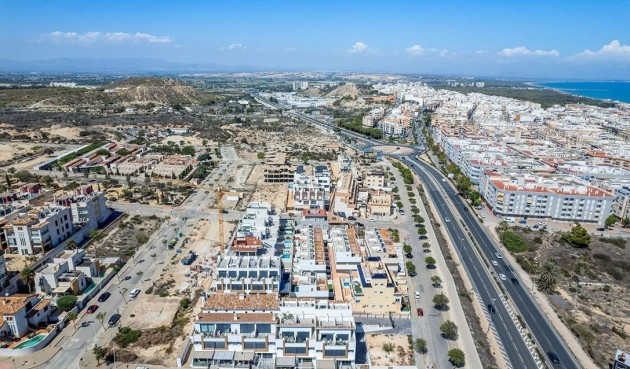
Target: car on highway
(104,296)
(417,294)
(495,263)
(134,293)
(502,276)
(498,255)
(447,219)
(553,357)
(91,309)
(113,319)
(515,281)
(465,208)
(420,312)
(491,309)
(443,179)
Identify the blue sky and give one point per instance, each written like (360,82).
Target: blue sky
(554,39)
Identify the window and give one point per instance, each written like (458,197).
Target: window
(295,350)
(335,353)
(254,345)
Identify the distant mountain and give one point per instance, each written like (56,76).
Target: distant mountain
(126,65)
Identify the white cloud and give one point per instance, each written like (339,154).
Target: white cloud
(235,47)
(614,50)
(90,38)
(358,47)
(415,50)
(523,51)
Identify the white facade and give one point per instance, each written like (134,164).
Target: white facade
(41,229)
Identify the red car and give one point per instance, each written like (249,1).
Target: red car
(92,308)
(420,312)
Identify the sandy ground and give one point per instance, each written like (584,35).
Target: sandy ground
(402,354)
(8,151)
(276,194)
(188,140)
(394,150)
(69,133)
(153,311)
(15,262)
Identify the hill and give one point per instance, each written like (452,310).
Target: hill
(123,93)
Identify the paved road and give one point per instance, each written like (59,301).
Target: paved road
(541,328)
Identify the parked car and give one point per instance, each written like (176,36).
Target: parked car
(417,293)
(104,296)
(420,312)
(483,215)
(134,293)
(92,308)
(113,319)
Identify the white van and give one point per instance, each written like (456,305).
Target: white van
(134,293)
(509,219)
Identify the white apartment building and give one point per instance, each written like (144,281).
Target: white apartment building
(245,331)
(17,311)
(310,192)
(38,230)
(559,198)
(255,275)
(309,277)
(259,221)
(86,206)
(66,274)
(300,85)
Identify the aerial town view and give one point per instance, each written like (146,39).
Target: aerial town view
(275,185)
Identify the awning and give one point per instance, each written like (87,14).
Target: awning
(288,361)
(206,354)
(244,356)
(223,355)
(325,364)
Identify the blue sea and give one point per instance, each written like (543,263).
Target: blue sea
(611,90)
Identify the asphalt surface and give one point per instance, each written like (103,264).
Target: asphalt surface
(540,327)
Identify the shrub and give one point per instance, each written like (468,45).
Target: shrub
(449,330)
(457,357)
(126,336)
(66,303)
(388,347)
(514,242)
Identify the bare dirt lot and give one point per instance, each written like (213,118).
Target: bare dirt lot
(124,237)
(591,295)
(389,349)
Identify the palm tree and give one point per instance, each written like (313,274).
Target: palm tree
(73,317)
(549,273)
(71,245)
(27,275)
(503,226)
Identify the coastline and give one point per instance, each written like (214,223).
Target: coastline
(539,84)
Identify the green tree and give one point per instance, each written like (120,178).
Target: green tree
(94,234)
(548,277)
(71,245)
(436,280)
(23,176)
(66,303)
(422,231)
(411,268)
(457,357)
(260,155)
(141,238)
(420,345)
(48,181)
(27,275)
(611,220)
(73,317)
(426,245)
(449,330)
(101,318)
(100,353)
(625,221)
(188,150)
(407,249)
(430,261)
(440,301)
(578,237)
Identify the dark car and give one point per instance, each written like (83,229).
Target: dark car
(104,296)
(553,357)
(113,319)
(491,309)
(515,281)
(127,278)
(352,218)
(420,312)
(92,308)
(601,229)
(420,225)
(465,208)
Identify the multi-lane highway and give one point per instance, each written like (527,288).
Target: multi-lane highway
(451,211)
(538,324)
